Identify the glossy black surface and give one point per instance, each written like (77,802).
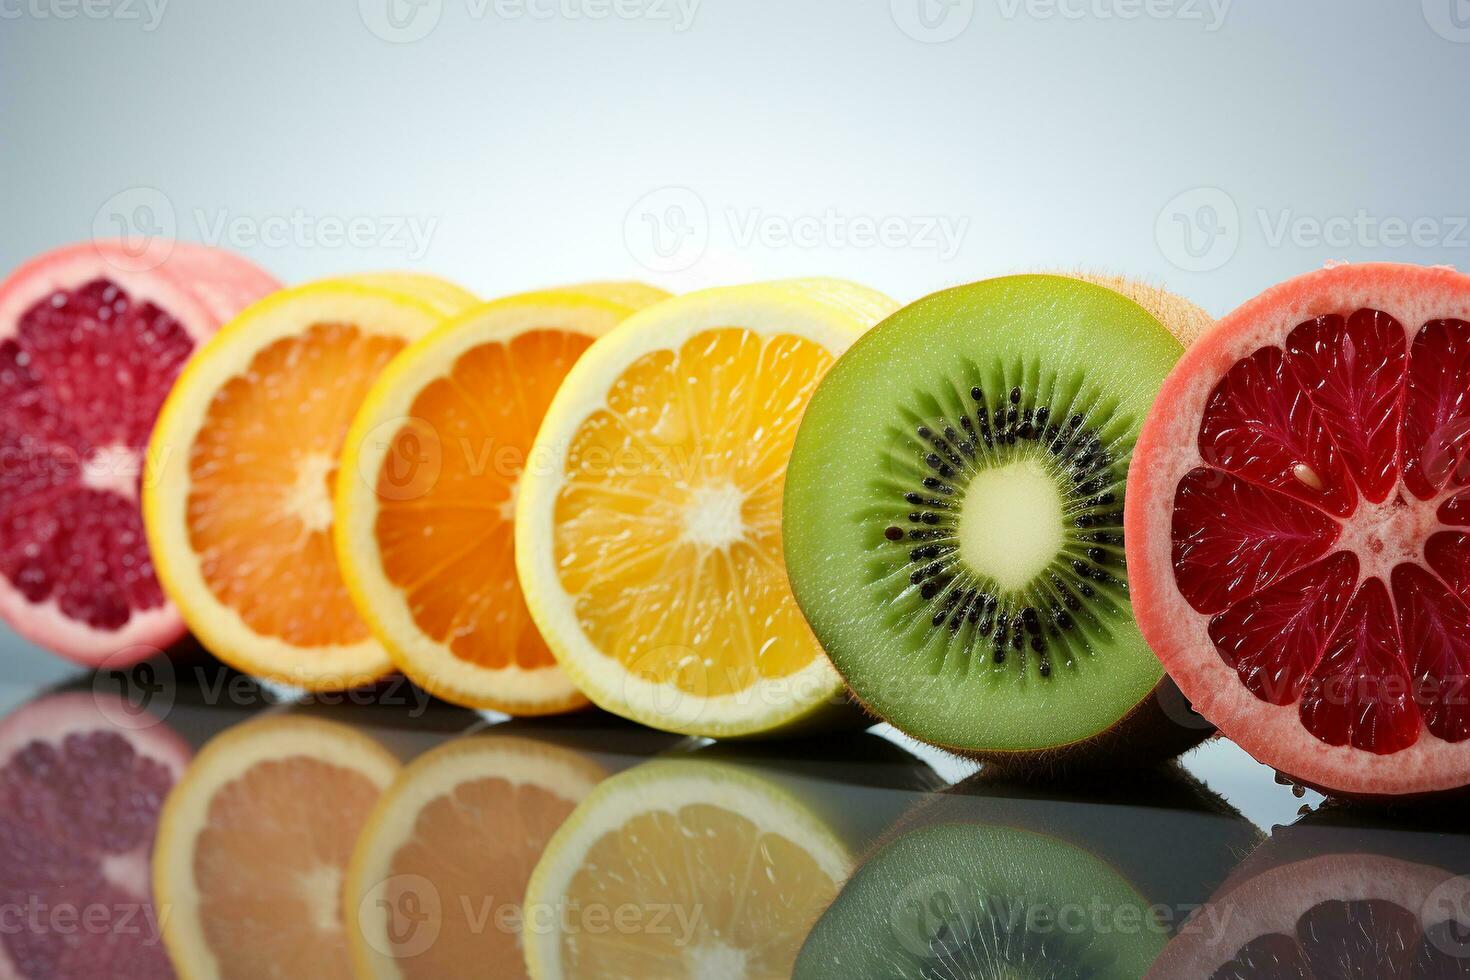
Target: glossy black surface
(669,857)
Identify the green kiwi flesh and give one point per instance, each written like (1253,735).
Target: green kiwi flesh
(963,900)
(953,521)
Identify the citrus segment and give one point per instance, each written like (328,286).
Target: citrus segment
(253,844)
(1325,614)
(649,532)
(89,348)
(425,533)
(710,871)
(438,875)
(242,468)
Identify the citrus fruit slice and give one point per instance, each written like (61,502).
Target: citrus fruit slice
(449,298)
(253,845)
(1332,915)
(439,872)
(681,869)
(89,346)
(1296,528)
(424,521)
(648,536)
(243,462)
(79,805)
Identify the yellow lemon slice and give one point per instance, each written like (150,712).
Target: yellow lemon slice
(681,868)
(240,473)
(450,299)
(434,462)
(648,536)
(437,878)
(252,846)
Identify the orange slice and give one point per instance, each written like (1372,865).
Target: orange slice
(252,846)
(648,533)
(424,523)
(681,869)
(237,496)
(437,879)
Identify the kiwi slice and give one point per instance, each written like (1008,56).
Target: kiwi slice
(963,900)
(954,518)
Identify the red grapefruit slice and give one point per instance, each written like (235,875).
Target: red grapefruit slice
(90,344)
(1298,528)
(79,806)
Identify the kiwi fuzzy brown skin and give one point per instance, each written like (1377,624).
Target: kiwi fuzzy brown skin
(1151,732)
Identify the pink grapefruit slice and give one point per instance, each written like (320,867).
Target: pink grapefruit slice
(80,800)
(1298,528)
(90,344)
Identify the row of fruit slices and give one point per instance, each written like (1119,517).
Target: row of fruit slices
(321,483)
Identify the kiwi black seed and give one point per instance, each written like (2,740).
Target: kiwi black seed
(954,514)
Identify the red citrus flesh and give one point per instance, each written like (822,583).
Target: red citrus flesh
(1298,528)
(79,805)
(1337,915)
(89,346)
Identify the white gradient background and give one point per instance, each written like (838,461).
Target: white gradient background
(1058,133)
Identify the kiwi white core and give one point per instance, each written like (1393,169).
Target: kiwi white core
(1011,522)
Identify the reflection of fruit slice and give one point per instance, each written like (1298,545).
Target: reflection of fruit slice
(953,520)
(238,501)
(649,531)
(1298,528)
(1335,915)
(79,802)
(436,881)
(424,521)
(88,350)
(975,900)
(253,845)
(700,869)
